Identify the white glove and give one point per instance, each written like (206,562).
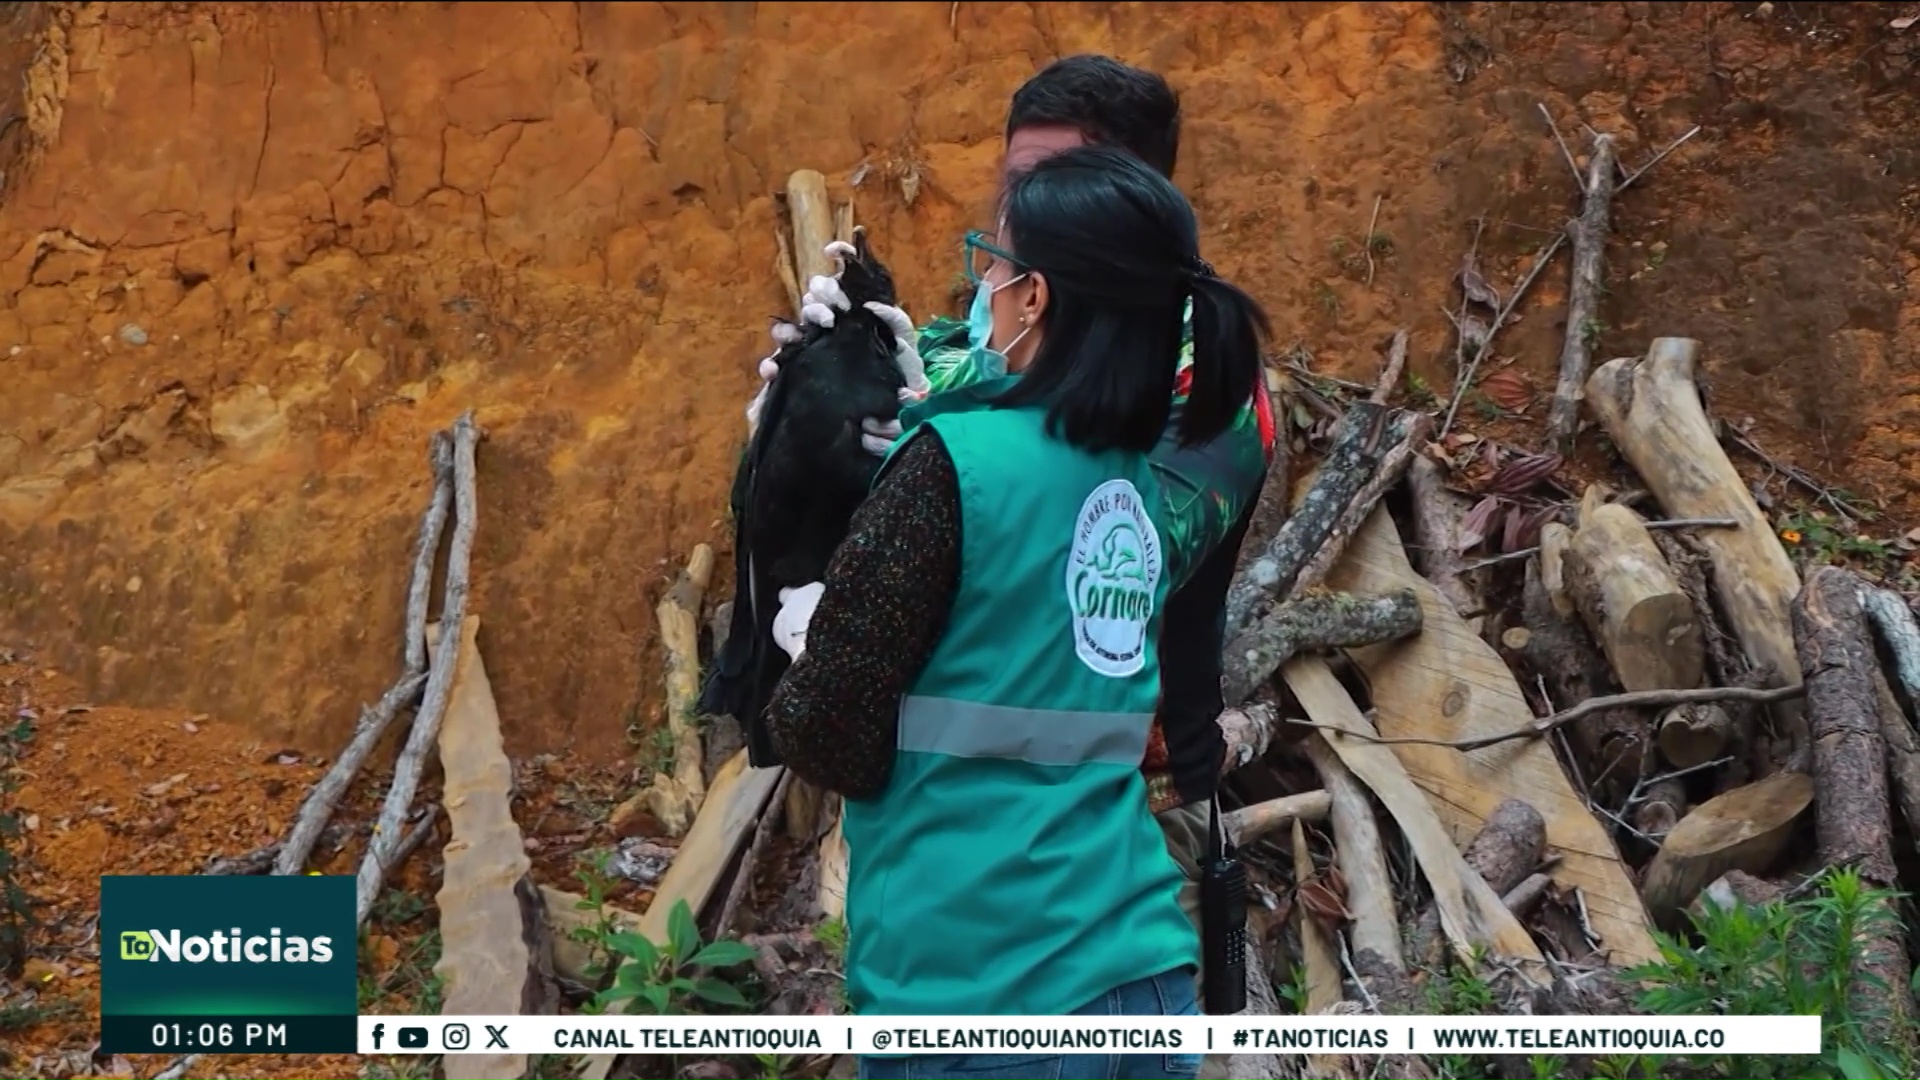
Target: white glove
(784,334)
(796,611)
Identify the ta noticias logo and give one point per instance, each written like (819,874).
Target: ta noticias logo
(224,947)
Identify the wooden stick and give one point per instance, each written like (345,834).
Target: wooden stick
(325,797)
(1349,462)
(1362,859)
(1470,911)
(1396,364)
(1437,518)
(1499,320)
(1367,241)
(675,800)
(1903,754)
(1249,823)
(1565,150)
(1589,232)
(1853,815)
(433,706)
(1637,699)
(743,878)
(1405,438)
(1336,620)
(1320,963)
(812,215)
(1522,898)
(1672,523)
(1611,744)
(1656,159)
(1505,850)
(1897,629)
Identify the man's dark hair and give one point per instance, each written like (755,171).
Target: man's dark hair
(1110,102)
(1119,248)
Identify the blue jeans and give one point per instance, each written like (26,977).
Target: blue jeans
(1168,994)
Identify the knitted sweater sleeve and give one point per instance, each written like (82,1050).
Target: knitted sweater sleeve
(835,715)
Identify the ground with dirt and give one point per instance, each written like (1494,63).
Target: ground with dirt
(252,255)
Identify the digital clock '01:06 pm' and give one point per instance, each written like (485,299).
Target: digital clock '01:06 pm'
(222,1035)
(228,1034)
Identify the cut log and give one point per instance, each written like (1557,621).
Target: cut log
(488,963)
(1653,414)
(1629,599)
(1660,806)
(1854,818)
(1897,629)
(1746,829)
(812,215)
(1362,859)
(1249,823)
(743,877)
(1447,684)
(1470,910)
(1611,744)
(1589,234)
(1727,665)
(1522,898)
(739,795)
(1691,735)
(1507,849)
(1312,623)
(1903,755)
(1438,533)
(1268,578)
(675,799)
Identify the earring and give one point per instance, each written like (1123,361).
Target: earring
(1023,320)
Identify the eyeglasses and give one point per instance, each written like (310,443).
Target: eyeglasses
(982,254)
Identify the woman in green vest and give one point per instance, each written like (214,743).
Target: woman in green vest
(988,629)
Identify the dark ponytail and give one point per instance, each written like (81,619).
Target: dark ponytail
(1228,329)
(1119,248)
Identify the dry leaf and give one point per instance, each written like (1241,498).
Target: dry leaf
(1518,476)
(1324,897)
(1904,21)
(1508,389)
(1479,523)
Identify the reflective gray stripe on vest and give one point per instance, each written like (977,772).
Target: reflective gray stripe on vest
(931,725)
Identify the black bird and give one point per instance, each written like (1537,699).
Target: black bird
(802,477)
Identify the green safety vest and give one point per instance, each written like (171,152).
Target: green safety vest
(1012,867)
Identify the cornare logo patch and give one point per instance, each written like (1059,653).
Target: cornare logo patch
(224,947)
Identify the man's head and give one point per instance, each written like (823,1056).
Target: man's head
(1078,100)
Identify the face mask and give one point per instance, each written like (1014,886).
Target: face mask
(980,321)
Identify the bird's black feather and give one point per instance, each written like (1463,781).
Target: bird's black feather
(802,477)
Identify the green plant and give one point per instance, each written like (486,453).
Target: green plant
(1590,332)
(1794,958)
(17,920)
(775,1066)
(1420,395)
(32,1014)
(667,981)
(833,934)
(1625,1067)
(594,881)
(1546,1066)
(1815,534)
(1460,991)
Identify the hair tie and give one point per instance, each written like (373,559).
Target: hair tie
(1199,268)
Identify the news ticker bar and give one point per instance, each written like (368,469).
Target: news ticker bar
(1469,1035)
